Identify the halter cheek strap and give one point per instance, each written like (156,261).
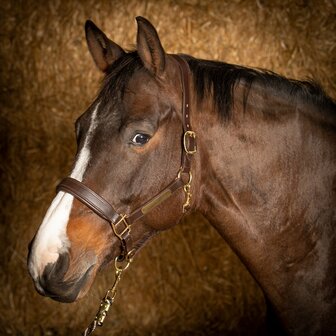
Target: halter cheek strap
(121,223)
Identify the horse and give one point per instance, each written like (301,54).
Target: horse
(252,151)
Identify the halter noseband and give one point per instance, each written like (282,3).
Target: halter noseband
(121,223)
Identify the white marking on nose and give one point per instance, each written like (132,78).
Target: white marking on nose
(51,238)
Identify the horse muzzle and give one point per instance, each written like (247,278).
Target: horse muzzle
(59,283)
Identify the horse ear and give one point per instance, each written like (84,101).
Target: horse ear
(104,51)
(149,47)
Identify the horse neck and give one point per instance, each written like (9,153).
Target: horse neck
(266,180)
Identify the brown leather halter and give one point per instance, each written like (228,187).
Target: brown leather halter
(121,223)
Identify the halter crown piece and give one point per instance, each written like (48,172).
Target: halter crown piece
(121,223)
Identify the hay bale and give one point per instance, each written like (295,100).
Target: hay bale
(48,79)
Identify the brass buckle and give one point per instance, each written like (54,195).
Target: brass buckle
(190,134)
(126,229)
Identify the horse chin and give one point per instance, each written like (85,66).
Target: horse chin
(90,275)
(87,279)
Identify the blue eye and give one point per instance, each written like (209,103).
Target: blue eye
(140,139)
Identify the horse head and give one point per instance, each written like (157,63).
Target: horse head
(129,146)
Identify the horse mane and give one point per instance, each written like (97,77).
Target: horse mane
(220,79)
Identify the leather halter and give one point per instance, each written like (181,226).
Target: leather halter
(121,224)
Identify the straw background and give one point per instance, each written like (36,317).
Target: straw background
(186,281)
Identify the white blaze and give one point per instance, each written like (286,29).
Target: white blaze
(51,238)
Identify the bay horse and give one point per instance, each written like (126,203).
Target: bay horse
(258,161)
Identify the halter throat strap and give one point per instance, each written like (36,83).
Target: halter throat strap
(121,223)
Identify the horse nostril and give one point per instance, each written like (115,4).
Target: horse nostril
(54,272)
(52,283)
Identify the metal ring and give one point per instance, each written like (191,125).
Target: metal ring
(124,264)
(189,175)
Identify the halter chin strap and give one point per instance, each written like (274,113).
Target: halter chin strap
(121,223)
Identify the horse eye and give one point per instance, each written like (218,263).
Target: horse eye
(140,139)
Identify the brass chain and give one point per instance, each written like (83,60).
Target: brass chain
(188,196)
(110,295)
(187,192)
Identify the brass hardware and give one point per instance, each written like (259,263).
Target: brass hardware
(156,201)
(127,228)
(124,264)
(186,189)
(190,134)
(110,295)
(105,305)
(189,176)
(188,194)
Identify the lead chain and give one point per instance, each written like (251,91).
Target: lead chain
(188,196)
(106,302)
